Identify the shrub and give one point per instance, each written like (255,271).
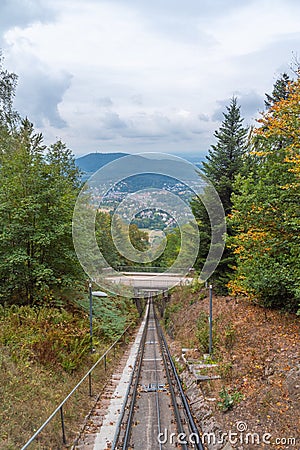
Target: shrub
(228,400)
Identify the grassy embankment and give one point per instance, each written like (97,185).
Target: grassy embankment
(44,352)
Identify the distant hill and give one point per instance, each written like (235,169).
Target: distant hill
(196,159)
(93,161)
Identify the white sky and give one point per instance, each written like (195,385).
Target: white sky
(135,75)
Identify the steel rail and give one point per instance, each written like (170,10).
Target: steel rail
(156,378)
(194,429)
(122,413)
(171,374)
(139,361)
(165,355)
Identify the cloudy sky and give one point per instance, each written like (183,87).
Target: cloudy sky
(140,75)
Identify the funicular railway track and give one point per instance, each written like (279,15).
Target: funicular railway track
(155,414)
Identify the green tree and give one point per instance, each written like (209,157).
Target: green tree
(280,91)
(171,250)
(225,160)
(8,82)
(266,214)
(137,238)
(38,188)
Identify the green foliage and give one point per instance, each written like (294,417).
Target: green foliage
(280,91)
(172,249)
(111,315)
(266,215)
(229,400)
(38,189)
(48,336)
(171,309)
(179,367)
(210,360)
(180,243)
(8,82)
(44,352)
(137,238)
(229,336)
(224,370)
(197,286)
(225,160)
(155,221)
(58,337)
(202,333)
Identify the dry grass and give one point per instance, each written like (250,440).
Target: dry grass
(32,393)
(35,377)
(256,349)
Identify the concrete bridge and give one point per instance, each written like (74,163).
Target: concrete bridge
(150,281)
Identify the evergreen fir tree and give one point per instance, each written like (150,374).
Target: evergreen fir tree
(280,91)
(225,160)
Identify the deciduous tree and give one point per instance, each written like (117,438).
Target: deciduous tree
(38,188)
(266,215)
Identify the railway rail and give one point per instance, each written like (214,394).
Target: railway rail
(155,413)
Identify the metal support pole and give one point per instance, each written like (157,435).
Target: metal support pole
(210,320)
(91,315)
(90,385)
(105,363)
(63,426)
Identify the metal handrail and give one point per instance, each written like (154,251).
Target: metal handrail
(60,407)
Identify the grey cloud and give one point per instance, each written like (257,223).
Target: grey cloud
(203,117)
(39,95)
(140,134)
(182,9)
(180,21)
(137,99)
(151,127)
(218,116)
(104,102)
(250,102)
(22,13)
(174,20)
(183,29)
(283,47)
(200,132)
(112,120)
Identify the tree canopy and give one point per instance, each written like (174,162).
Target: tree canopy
(225,160)
(266,215)
(38,189)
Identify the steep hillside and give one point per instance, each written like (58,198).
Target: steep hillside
(44,352)
(256,355)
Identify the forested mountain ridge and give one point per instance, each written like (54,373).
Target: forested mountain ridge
(92,162)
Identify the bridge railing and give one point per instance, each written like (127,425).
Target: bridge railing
(145,269)
(153,269)
(88,376)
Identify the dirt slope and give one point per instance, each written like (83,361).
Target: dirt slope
(257,354)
